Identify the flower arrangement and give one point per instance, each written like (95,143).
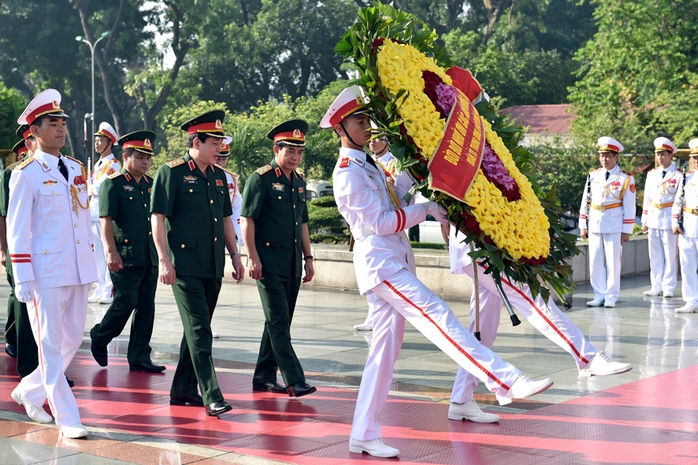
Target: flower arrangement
(412,88)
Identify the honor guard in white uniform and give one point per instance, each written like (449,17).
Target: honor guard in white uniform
(401,183)
(105,139)
(52,251)
(684,222)
(660,191)
(384,265)
(233,188)
(606,217)
(543,315)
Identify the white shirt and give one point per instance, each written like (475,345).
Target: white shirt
(104,167)
(660,193)
(619,188)
(689,200)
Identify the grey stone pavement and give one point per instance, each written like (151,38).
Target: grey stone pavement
(644,332)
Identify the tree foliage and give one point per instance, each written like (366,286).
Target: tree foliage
(639,74)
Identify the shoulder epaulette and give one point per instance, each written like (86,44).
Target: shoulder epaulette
(593,170)
(13,165)
(74,159)
(300,176)
(25,163)
(175,162)
(115,175)
(148,177)
(264,169)
(226,170)
(625,172)
(679,170)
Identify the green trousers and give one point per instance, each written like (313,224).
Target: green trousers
(196,299)
(134,289)
(278,295)
(18,331)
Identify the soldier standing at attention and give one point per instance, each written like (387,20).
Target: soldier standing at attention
(191,229)
(606,217)
(19,341)
(131,257)
(660,191)
(686,208)
(275,230)
(105,139)
(50,243)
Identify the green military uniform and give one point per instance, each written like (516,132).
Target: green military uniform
(18,330)
(127,202)
(195,206)
(277,205)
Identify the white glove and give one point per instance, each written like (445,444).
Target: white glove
(437,211)
(24,291)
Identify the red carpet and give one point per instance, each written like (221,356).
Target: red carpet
(651,421)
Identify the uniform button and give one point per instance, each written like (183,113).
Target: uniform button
(130,198)
(150,233)
(293,190)
(126,241)
(145,204)
(76,225)
(182,246)
(294,206)
(215,220)
(279,197)
(296,223)
(215,239)
(211,201)
(45,252)
(78,241)
(295,240)
(191,190)
(267,244)
(53,193)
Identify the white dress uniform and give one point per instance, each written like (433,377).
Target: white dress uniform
(546,317)
(105,166)
(51,245)
(687,200)
(384,265)
(236,202)
(660,191)
(611,212)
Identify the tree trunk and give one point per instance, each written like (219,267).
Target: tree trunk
(495,9)
(453,9)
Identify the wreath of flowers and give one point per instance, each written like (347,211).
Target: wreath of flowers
(514,227)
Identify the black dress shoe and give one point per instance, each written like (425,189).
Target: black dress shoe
(148,367)
(11,350)
(99,353)
(71,383)
(216,408)
(194,400)
(269,387)
(300,389)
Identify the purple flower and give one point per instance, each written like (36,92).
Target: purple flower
(446,98)
(497,174)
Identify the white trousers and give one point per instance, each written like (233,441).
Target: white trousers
(57,316)
(104,286)
(403,297)
(604,265)
(661,244)
(546,317)
(688,253)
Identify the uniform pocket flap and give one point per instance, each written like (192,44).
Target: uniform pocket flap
(46,247)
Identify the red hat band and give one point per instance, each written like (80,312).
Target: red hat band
(205,127)
(27,134)
(52,107)
(138,144)
(346,110)
(290,135)
(610,147)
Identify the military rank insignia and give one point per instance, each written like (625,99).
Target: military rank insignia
(219,182)
(50,182)
(128,188)
(189,179)
(344,162)
(277,186)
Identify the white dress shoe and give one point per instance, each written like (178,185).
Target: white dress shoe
(215,334)
(470,411)
(75,431)
(609,304)
(374,447)
(37,414)
(365,326)
(602,365)
(668,295)
(595,303)
(688,308)
(652,293)
(94,298)
(106,300)
(524,387)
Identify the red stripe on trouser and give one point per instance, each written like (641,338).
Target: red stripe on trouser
(448,338)
(550,323)
(41,352)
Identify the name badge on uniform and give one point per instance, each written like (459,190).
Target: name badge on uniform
(219,182)
(50,182)
(189,179)
(277,186)
(128,188)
